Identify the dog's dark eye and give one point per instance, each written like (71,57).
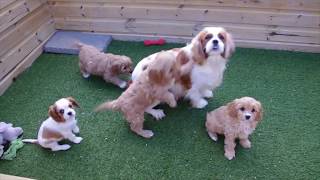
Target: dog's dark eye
(221,36)
(208,36)
(70,106)
(253,110)
(242,109)
(61,111)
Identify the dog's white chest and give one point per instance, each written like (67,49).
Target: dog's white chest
(208,74)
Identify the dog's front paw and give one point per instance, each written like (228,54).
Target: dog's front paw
(147,133)
(61,147)
(123,85)
(76,129)
(85,75)
(173,103)
(245,143)
(207,94)
(213,136)
(230,154)
(77,140)
(157,113)
(200,103)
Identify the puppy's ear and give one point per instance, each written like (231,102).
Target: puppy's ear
(183,63)
(229,46)
(198,48)
(53,112)
(259,112)
(157,76)
(115,69)
(73,102)
(232,109)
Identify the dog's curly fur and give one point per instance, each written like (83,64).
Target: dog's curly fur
(92,61)
(237,120)
(152,86)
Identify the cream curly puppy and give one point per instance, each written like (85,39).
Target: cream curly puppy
(150,88)
(236,120)
(107,65)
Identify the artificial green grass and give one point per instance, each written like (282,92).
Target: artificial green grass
(285,145)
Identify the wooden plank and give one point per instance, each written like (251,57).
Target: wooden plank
(12,58)
(25,63)
(213,14)
(16,33)
(5,3)
(18,11)
(304,5)
(239,42)
(185,28)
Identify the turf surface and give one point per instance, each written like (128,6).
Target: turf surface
(285,145)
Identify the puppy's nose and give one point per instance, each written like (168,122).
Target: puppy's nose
(215,42)
(70,113)
(247,117)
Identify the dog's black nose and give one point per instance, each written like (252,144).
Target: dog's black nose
(215,42)
(248,117)
(70,113)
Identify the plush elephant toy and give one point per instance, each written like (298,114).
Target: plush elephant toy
(8,134)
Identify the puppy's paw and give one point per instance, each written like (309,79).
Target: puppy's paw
(85,75)
(213,136)
(230,154)
(77,140)
(173,104)
(61,147)
(200,103)
(157,113)
(147,133)
(245,143)
(207,94)
(123,85)
(76,129)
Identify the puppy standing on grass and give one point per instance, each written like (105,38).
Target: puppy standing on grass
(110,66)
(238,119)
(60,125)
(150,88)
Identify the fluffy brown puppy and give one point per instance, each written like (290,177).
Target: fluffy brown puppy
(237,120)
(110,66)
(152,87)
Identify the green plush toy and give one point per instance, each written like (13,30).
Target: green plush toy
(12,150)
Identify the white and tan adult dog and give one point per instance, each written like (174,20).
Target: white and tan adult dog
(61,124)
(209,51)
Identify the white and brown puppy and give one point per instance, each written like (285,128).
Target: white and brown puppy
(61,124)
(209,51)
(107,65)
(237,120)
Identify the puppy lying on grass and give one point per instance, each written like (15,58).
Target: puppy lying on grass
(237,120)
(107,65)
(150,88)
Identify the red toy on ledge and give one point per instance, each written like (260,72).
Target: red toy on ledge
(150,42)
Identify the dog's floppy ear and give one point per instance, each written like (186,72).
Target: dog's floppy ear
(73,102)
(259,112)
(232,109)
(229,46)
(198,48)
(53,112)
(183,63)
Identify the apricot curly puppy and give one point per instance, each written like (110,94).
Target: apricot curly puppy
(238,119)
(110,66)
(148,89)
